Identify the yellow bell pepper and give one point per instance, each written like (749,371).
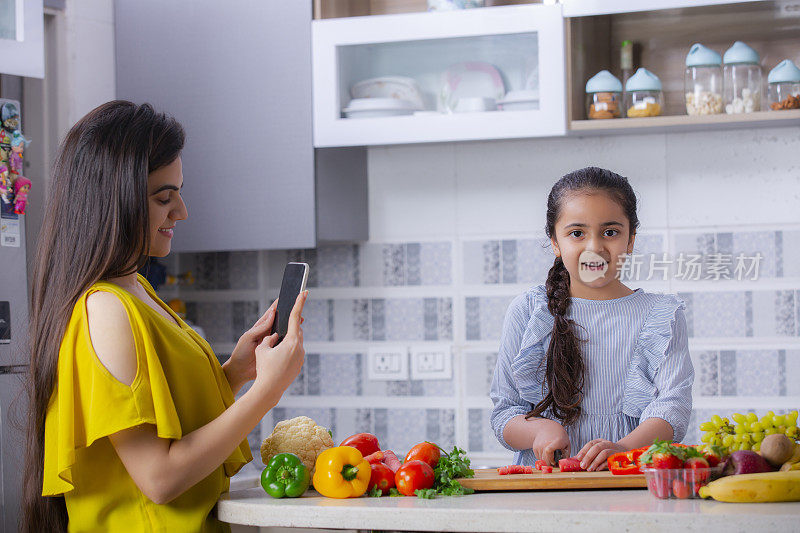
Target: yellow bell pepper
(341,472)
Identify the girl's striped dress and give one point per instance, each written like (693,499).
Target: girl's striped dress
(636,359)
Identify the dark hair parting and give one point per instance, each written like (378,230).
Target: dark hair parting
(564,369)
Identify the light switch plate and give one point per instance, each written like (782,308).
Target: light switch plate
(388,363)
(432,361)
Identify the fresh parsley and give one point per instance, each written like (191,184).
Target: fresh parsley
(451,466)
(375,492)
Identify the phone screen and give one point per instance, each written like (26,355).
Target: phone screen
(295,276)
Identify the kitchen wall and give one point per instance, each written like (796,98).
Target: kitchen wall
(456,231)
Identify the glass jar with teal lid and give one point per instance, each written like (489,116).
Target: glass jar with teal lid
(703,81)
(784,86)
(643,95)
(603,96)
(742,79)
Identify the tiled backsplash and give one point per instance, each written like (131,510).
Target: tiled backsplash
(743,334)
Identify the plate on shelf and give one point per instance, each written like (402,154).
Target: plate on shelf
(519,100)
(397,87)
(473,79)
(378,107)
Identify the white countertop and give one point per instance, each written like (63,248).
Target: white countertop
(594,511)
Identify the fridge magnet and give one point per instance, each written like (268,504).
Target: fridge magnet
(21,188)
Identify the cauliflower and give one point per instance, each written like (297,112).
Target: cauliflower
(300,436)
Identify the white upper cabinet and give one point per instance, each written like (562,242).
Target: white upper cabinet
(436,77)
(22,38)
(583,8)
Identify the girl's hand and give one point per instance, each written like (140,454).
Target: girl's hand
(594,455)
(278,366)
(241,367)
(550,436)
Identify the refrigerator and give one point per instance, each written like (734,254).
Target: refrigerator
(13,368)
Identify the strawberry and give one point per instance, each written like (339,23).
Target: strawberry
(699,467)
(659,485)
(681,490)
(663,455)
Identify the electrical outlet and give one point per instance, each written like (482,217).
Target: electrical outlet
(388,363)
(431,361)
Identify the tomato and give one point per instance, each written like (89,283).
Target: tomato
(366,443)
(426,452)
(413,475)
(382,477)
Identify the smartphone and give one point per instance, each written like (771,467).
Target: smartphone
(295,276)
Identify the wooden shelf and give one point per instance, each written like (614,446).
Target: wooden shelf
(684,123)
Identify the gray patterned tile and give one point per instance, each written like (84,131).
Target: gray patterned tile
(431,319)
(784,313)
(707,374)
(342,374)
(727,369)
(472,308)
(337,265)
(243,270)
(406,428)
(790,248)
(472,256)
(405,319)
(757,372)
(413,264)
(475,423)
(436,263)
(316,326)
(393,264)
(313,374)
(792,365)
(378,319)
(766,243)
(245,314)
(509,260)
(492,313)
(445,317)
(534,259)
(719,314)
(491,262)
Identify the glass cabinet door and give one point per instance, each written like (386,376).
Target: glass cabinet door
(485,73)
(22,38)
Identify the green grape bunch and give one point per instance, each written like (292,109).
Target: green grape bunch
(748,430)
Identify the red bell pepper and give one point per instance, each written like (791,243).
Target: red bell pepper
(626,463)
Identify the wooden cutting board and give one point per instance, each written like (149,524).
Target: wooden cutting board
(489,479)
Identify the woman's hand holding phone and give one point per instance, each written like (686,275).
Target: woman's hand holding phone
(549,437)
(278,366)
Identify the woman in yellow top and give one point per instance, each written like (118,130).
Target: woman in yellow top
(133,425)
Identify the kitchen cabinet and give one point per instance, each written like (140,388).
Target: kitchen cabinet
(582,8)
(449,55)
(662,39)
(237,75)
(22,38)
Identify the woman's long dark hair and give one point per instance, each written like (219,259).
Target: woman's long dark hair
(95,227)
(564,369)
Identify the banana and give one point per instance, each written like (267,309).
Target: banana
(794,461)
(765,487)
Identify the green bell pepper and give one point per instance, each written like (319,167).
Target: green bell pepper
(285,475)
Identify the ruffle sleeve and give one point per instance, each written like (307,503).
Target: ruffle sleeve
(660,375)
(528,366)
(89,403)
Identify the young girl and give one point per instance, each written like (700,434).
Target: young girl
(133,424)
(586,365)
